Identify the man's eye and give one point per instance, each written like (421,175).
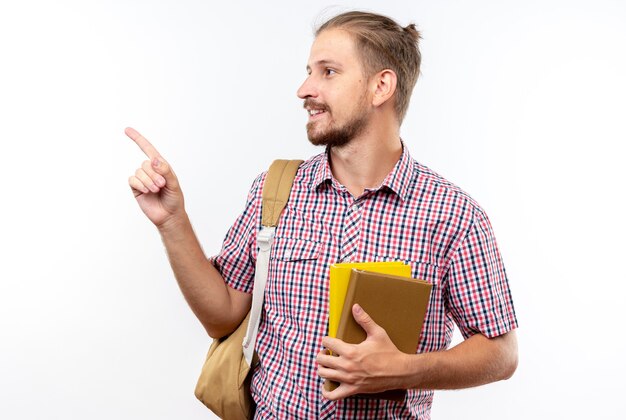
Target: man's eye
(330,72)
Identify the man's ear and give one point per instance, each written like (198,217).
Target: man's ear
(384,84)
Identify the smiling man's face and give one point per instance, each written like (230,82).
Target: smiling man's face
(335,91)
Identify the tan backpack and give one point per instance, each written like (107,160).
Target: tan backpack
(224,384)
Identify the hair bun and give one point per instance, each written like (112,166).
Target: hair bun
(411,29)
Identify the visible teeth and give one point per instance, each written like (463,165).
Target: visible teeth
(315,111)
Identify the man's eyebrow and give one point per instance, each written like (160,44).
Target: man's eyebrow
(324,63)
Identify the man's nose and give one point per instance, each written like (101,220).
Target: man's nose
(307,89)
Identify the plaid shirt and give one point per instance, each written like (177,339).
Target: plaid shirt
(415,216)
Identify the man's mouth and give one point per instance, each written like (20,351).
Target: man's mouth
(314,109)
(314,112)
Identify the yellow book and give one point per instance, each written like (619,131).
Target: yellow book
(340,278)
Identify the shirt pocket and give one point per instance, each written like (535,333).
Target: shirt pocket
(296,282)
(295,249)
(419,269)
(436,323)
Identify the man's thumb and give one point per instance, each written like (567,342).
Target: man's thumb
(161,167)
(158,164)
(364,320)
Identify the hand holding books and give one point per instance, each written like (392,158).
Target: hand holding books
(397,306)
(368,368)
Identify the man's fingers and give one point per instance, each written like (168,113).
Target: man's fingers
(328,361)
(161,167)
(146,180)
(142,142)
(156,168)
(137,186)
(341,392)
(158,180)
(337,346)
(330,374)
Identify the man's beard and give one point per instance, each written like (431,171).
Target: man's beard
(334,136)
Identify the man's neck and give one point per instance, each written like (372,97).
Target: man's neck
(366,160)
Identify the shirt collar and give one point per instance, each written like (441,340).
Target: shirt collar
(322,172)
(398,180)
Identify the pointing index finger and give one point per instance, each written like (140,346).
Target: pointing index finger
(142,142)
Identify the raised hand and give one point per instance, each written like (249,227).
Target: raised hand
(154,185)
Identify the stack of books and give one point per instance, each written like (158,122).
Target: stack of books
(385,291)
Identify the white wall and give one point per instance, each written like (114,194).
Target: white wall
(520,103)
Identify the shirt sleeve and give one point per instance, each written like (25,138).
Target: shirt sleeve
(479,298)
(237,259)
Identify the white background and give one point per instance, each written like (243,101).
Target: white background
(520,103)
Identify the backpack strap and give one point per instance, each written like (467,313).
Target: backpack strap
(276,190)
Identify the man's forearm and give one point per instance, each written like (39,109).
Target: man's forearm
(201,284)
(476,361)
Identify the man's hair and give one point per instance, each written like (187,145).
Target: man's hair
(383,44)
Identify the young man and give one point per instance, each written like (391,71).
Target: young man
(364,199)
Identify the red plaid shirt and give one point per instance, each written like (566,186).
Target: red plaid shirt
(415,216)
